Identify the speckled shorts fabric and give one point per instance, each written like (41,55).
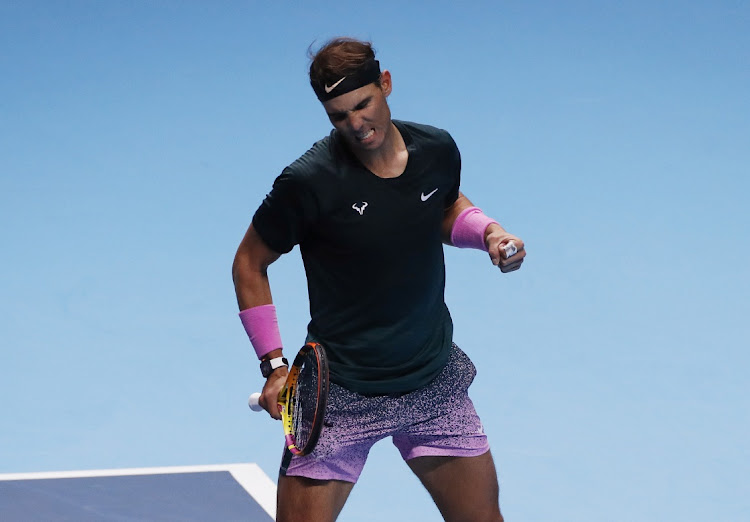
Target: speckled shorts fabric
(437,420)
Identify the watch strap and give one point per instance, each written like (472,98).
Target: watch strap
(267,367)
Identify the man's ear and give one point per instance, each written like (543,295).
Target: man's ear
(386,82)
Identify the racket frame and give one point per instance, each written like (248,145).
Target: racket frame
(287,401)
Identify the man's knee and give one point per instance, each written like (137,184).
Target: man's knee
(301,498)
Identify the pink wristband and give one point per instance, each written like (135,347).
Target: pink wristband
(262,327)
(469,227)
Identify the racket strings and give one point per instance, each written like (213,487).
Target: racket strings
(306,401)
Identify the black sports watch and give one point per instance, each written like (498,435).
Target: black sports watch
(267,367)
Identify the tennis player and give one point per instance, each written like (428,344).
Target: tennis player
(370,207)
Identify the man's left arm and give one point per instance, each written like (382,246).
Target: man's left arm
(466,226)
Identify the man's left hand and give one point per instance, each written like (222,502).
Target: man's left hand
(499,245)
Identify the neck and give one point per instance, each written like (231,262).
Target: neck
(388,160)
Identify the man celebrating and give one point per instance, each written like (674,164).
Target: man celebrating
(370,207)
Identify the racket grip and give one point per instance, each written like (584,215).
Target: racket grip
(253,402)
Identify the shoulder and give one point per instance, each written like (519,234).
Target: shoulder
(423,134)
(430,143)
(317,178)
(318,163)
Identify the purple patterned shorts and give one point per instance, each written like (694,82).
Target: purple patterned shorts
(437,420)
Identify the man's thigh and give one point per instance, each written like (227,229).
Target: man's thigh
(463,488)
(300,498)
(440,420)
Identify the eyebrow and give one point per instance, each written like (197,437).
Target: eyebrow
(359,106)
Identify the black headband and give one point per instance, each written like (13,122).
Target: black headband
(365,75)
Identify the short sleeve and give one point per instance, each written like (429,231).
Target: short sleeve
(454,160)
(287,213)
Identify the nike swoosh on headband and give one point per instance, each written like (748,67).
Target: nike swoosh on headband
(332,87)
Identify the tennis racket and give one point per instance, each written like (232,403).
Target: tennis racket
(302,400)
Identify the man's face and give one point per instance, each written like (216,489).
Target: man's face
(362,116)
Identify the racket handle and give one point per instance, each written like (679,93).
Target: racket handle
(253,402)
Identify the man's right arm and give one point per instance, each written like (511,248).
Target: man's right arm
(250,276)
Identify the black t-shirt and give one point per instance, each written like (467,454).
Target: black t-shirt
(373,255)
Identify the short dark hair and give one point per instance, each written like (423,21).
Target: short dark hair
(337,58)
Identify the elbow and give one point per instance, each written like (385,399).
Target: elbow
(252,259)
(240,264)
(247,266)
(234,270)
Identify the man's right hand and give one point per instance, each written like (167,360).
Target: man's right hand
(269,397)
